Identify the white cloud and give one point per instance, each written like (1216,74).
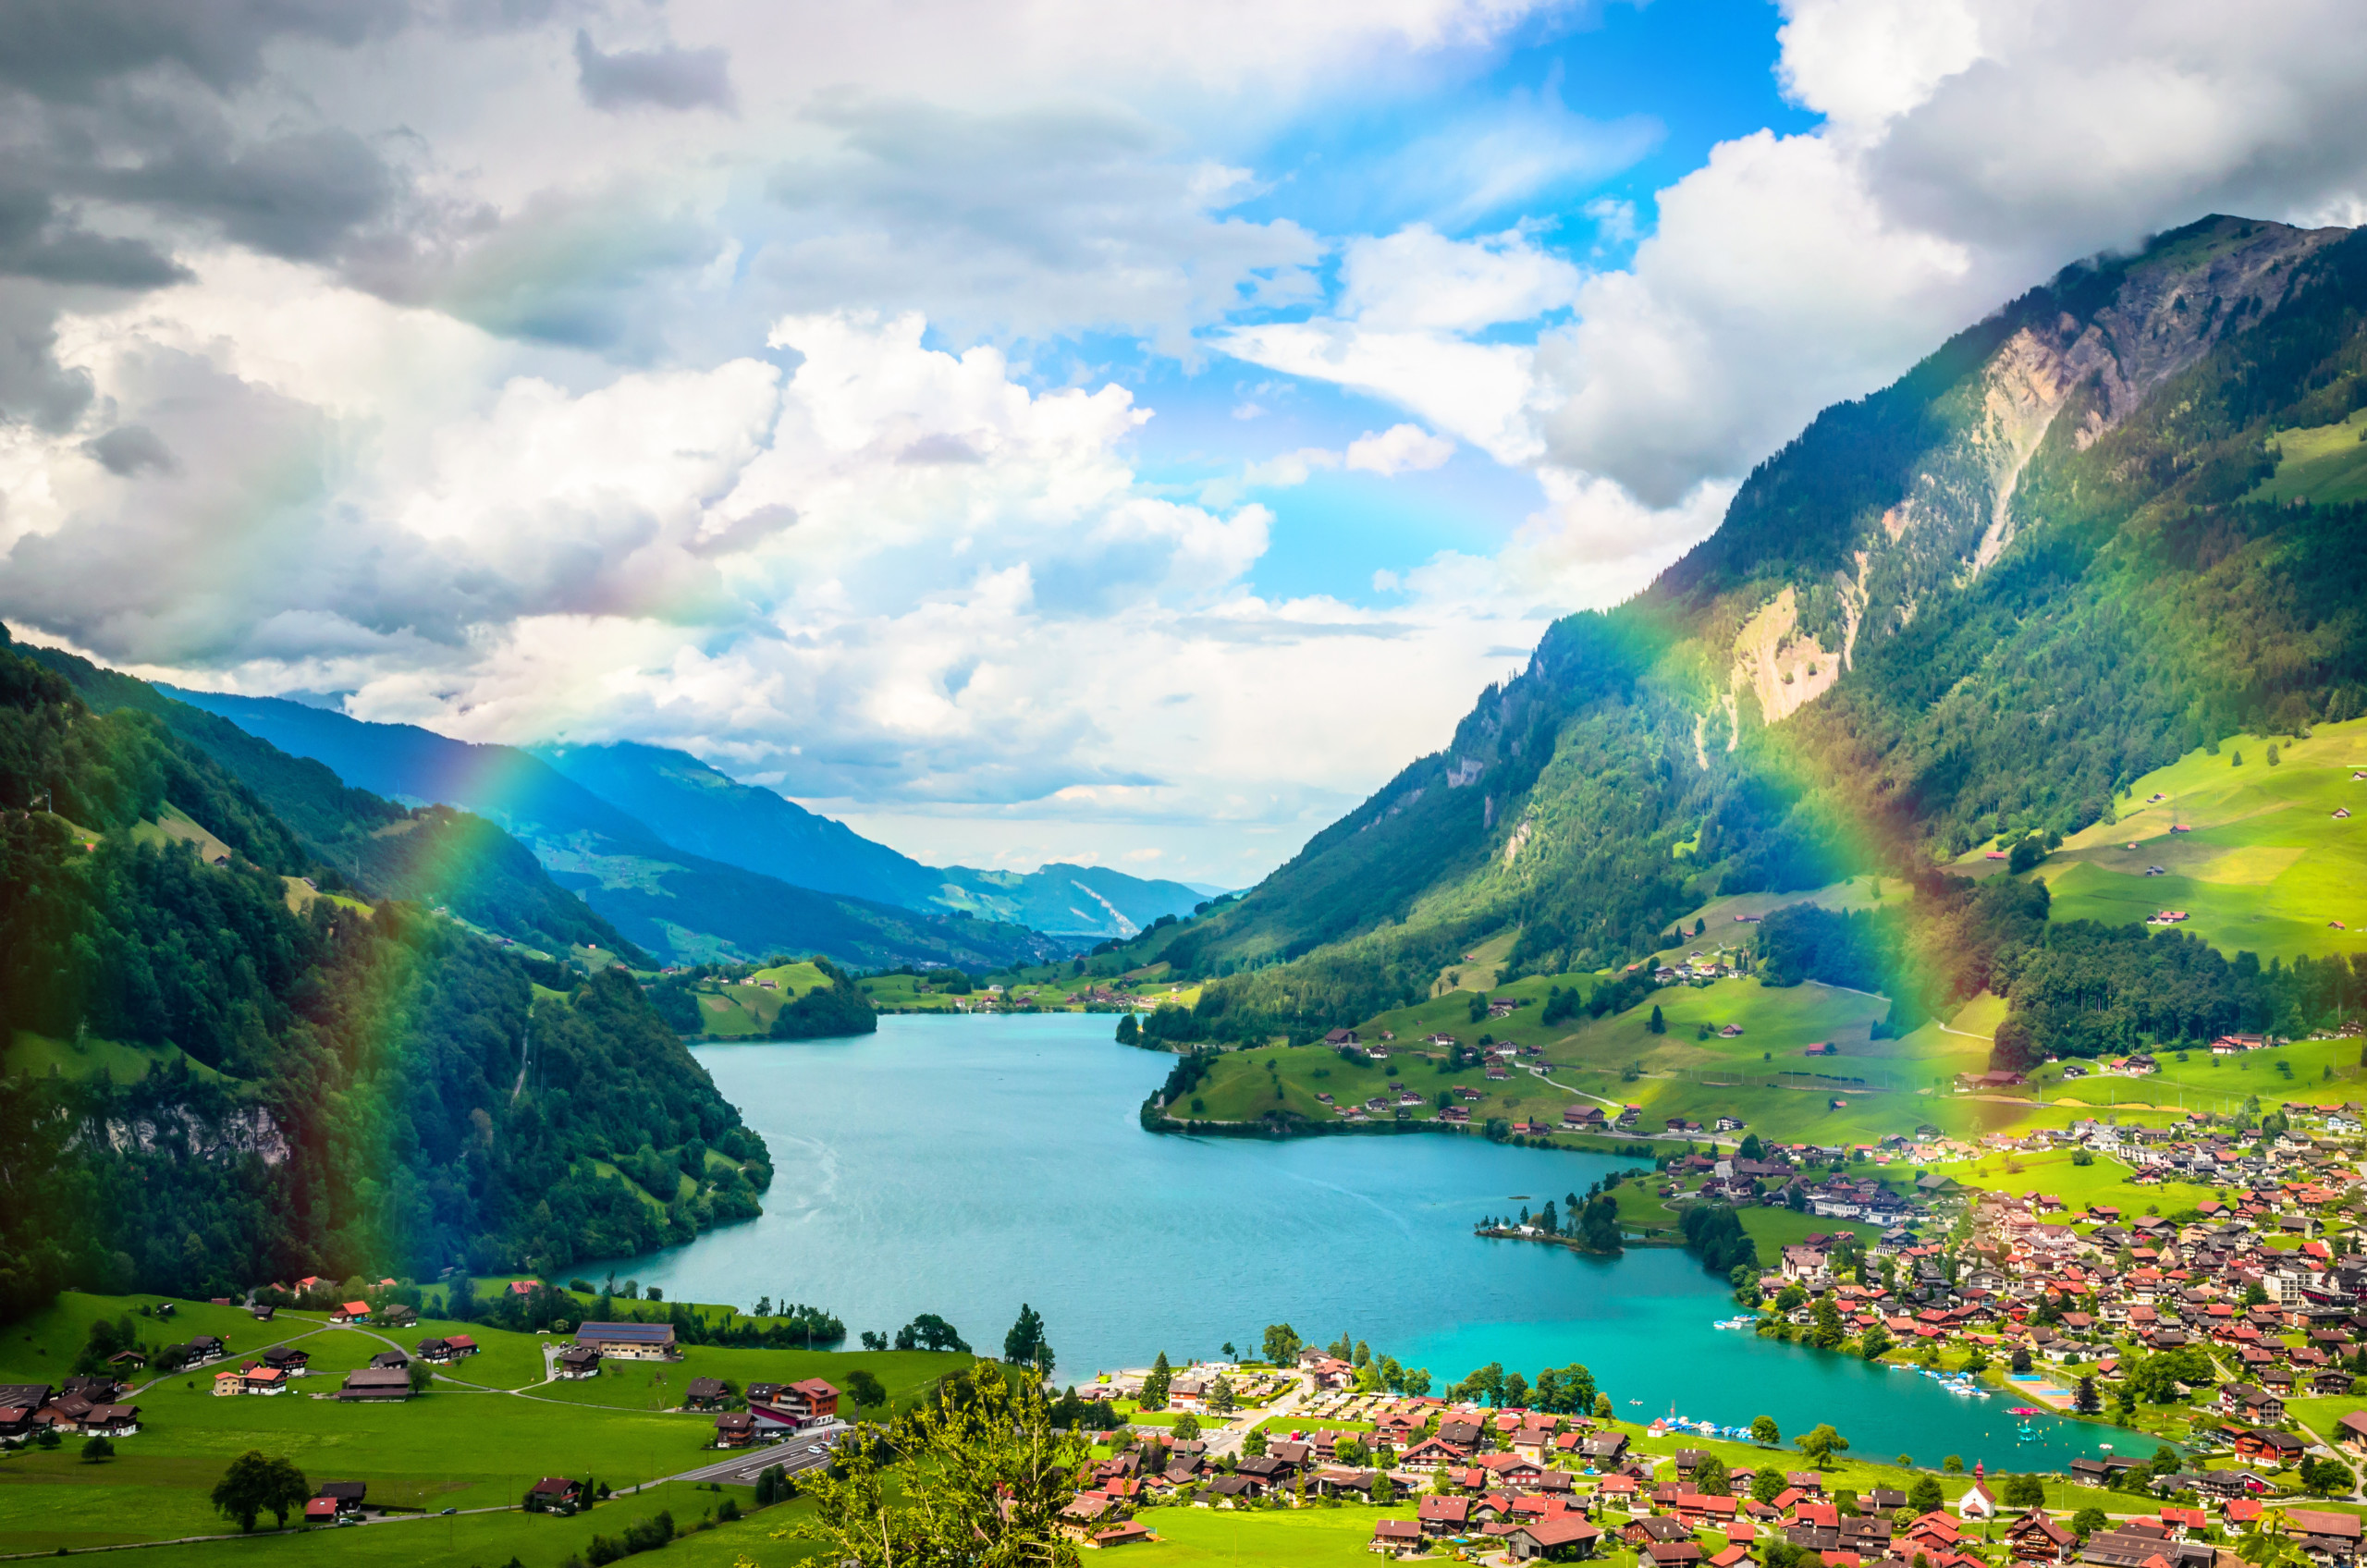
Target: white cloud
(1402,448)
(1417,279)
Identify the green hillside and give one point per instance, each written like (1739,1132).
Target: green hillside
(2035,581)
(211,1081)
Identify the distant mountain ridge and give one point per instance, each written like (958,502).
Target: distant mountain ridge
(595,814)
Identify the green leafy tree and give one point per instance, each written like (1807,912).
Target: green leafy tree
(98,1448)
(2088,1520)
(1656,1025)
(257,1484)
(1925,1496)
(2086,1402)
(2022,1491)
(1186,1427)
(1820,1443)
(864,1388)
(1711,1479)
(1874,1343)
(1766,1484)
(1220,1396)
(1253,1445)
(981,1477)
(1282,1344)
(1764,1430)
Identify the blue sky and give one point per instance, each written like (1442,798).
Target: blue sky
(1117,431)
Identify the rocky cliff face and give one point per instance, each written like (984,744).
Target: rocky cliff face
(2098,342)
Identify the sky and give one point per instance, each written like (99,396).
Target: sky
(1105,432)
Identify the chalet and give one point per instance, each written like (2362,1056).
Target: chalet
(350,1312)
(264,1379)
(1397,1538)
(2034,1538)
(1586,1116)
(789,1406)
(555,1494)
(707,1393)
(2324,1538)
(376,1383)
(2351,1431)
(387,1358)
(289,1359)
(1337,1037)
(320,1511)
(1443,1515)
(203,1348)
(1125,1532)
(575,1362)
(1561,1538)
(735,1428)
(630,1342)
(346,1496)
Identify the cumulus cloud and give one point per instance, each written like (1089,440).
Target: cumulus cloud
(1402,448)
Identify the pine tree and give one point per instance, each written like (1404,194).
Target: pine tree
(1155,1386)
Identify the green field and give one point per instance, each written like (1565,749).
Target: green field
(38,1056)
(2267,865)
(458,1445)
(2326,463)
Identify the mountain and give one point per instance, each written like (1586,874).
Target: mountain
(694,807)
(346,838)
(1075,901)
(247,1080)
(2114,523)
(682,905)
(620,804)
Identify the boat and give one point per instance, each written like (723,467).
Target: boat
(2024,1410)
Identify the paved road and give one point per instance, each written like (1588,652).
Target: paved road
(1226,1438)
(809,1450)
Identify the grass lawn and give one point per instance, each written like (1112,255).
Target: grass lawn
(543,1541)
(2077,1185)
(1302,1535)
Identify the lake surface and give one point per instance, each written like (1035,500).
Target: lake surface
(962,1166)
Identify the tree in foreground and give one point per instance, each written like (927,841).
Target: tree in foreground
(256,1484)
(981,1477)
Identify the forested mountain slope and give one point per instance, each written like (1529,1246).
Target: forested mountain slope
(386,1094)
(682,906)
(349,839)
(1974,603)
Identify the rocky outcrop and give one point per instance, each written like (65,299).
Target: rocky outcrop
(247,1131)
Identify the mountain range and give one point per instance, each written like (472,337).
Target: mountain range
(652,837)
(2114,522)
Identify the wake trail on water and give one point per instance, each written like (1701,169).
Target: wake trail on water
(1369,1202)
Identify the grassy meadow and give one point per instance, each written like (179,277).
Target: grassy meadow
(487,1429)
(2267,866)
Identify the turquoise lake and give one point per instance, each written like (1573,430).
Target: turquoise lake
(962,1165)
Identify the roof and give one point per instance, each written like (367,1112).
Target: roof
(627,1333)
(1560,1531)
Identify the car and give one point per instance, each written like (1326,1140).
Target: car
(447,1513)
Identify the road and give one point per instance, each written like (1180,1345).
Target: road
(809,1450)
(1230,1437)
